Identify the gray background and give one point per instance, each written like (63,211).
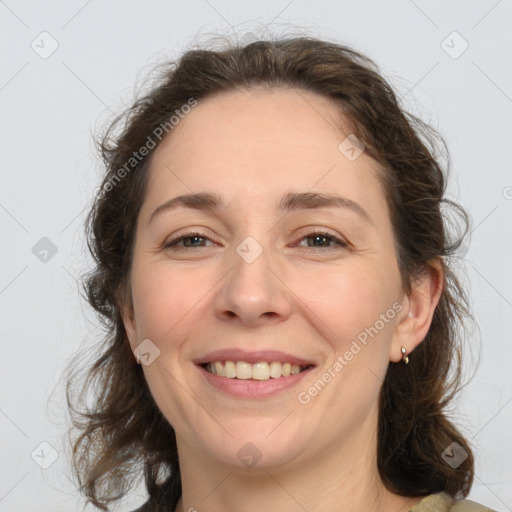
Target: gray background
(51,103)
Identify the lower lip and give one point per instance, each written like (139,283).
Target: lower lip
(250,388)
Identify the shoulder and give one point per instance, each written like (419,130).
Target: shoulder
(469,506)
(442,502)
(434,503)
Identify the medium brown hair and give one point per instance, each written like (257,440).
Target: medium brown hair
(123,433)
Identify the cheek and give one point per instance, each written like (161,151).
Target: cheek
(168,308)
(347,299)
(163,297)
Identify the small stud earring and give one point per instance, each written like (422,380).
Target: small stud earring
(405,358)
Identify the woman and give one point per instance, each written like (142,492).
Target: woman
(272,265)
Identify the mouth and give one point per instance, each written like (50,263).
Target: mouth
(244,374)
(260,371)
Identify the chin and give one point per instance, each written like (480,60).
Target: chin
(266,444)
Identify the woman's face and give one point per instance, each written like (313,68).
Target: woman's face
(275,271)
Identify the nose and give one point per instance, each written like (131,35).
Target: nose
(253,293)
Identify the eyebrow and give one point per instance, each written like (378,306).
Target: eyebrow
(290,202)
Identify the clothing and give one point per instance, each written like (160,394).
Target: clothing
(440,502)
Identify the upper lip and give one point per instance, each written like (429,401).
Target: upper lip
(257,356)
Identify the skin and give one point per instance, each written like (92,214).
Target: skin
(251,148)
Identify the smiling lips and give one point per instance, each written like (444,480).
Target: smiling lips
(243,374)
(259,371)
(256,365)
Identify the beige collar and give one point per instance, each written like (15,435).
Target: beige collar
(441,502)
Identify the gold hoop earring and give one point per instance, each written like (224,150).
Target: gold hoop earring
(405,358)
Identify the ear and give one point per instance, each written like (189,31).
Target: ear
(130,325)
(418,310)
(128,316)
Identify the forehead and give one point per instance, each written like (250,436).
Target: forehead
(268,117)
(257,142)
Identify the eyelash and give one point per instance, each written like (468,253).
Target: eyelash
(173,244)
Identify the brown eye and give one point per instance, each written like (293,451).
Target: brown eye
(190,240)
(320,240)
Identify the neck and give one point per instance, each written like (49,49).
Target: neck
(334,478)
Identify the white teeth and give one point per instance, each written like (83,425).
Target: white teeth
(286,369)
(275,369)
(261,371)
(243,370)
(258,371)
(219,369)
(229,370)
